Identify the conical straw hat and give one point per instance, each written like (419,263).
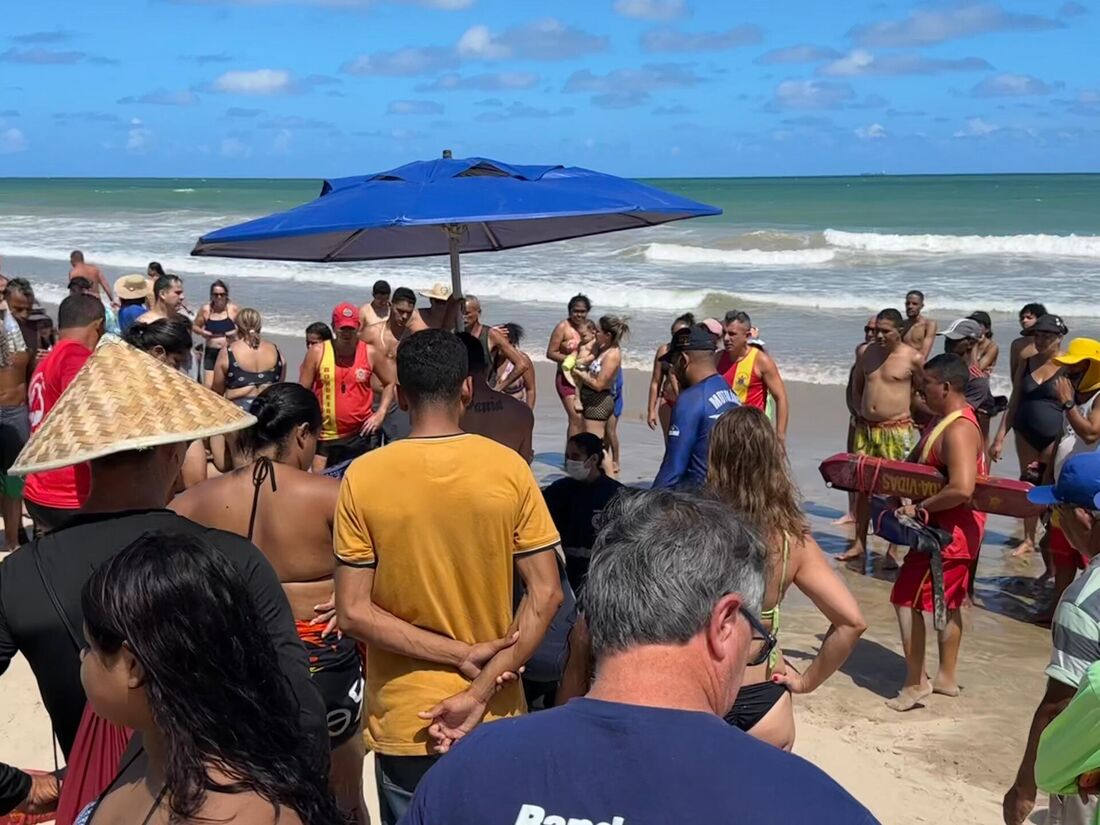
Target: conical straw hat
(123,399)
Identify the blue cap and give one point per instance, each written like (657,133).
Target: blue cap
(1078,483)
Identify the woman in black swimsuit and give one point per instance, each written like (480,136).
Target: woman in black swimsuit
(1035,411)
(217,324)
(177,652)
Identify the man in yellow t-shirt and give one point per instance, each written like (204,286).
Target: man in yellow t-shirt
(428,533)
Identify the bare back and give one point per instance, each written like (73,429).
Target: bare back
(92,273)
(502,418)
(888,382)
(293,525)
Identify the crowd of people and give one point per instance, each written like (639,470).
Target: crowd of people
(241,583)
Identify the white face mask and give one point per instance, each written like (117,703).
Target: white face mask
(576,469)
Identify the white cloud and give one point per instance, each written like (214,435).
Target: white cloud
(12,140)
(976,128)
(862,63)
(1013,85)
(671,40)
(810,94)
(875,131)
(403,62)
(931,24)
(624,88)
(258,82)
(138,137)
(797,54)
(489,82)
(477,42)
(164,97)
(414,107)
(662,10)
(232,147)
(546,39)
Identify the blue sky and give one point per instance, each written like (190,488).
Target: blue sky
(640,87)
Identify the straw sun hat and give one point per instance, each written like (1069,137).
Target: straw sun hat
(438,292)
(132,287)
(123,399)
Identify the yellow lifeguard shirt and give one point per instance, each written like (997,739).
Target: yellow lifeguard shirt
(441,520)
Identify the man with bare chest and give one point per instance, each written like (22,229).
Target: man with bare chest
(384,337)
(918,332)
(882,393)
(14,422)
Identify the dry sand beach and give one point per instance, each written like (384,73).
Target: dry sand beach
(949,761)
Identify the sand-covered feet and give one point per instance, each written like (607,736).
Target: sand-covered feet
(945,687)
(910,697)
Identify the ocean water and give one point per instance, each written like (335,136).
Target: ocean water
(808,258)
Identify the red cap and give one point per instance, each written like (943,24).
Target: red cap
(345,316)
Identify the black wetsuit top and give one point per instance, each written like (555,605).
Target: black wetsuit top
(29,623)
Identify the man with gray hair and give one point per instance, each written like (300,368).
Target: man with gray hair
(672,600)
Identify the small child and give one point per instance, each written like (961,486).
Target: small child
(580,360)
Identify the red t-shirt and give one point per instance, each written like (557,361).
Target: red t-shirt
(67,487)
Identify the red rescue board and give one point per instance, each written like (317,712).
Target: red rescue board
(848,471)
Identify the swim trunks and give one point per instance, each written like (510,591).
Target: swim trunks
(564,388)
(893,440)
(15,429)
(913,587)
(336,667)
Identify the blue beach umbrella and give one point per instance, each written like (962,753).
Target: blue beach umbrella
(446,207)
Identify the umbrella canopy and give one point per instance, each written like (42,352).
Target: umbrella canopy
(448,206)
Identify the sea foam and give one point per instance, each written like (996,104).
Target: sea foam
(1070,246)
(679,253)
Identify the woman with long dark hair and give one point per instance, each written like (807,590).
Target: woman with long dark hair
(177,652)
(287,512)
(564,341)
(169,341)
(662,383)
(748,469)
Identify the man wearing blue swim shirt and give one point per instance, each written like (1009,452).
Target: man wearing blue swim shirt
(706,395)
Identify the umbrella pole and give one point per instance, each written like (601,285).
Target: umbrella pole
(454,231)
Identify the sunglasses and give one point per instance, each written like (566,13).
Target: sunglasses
(869,330)
(759,634)
(219,294)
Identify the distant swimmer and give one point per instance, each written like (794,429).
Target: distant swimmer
(80,269)
(378,308)
(918,332)
(882,393)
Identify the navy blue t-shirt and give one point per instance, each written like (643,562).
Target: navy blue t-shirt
(615,764)
(693,417)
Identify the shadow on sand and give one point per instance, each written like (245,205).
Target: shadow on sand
(871,666)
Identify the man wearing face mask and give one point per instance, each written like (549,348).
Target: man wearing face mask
(704,396)
(576,502)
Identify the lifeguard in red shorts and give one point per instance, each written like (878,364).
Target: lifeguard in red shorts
(953,445)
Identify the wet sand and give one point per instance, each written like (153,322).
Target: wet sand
(949,761)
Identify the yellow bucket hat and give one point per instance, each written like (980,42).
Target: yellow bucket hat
(1083,349)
